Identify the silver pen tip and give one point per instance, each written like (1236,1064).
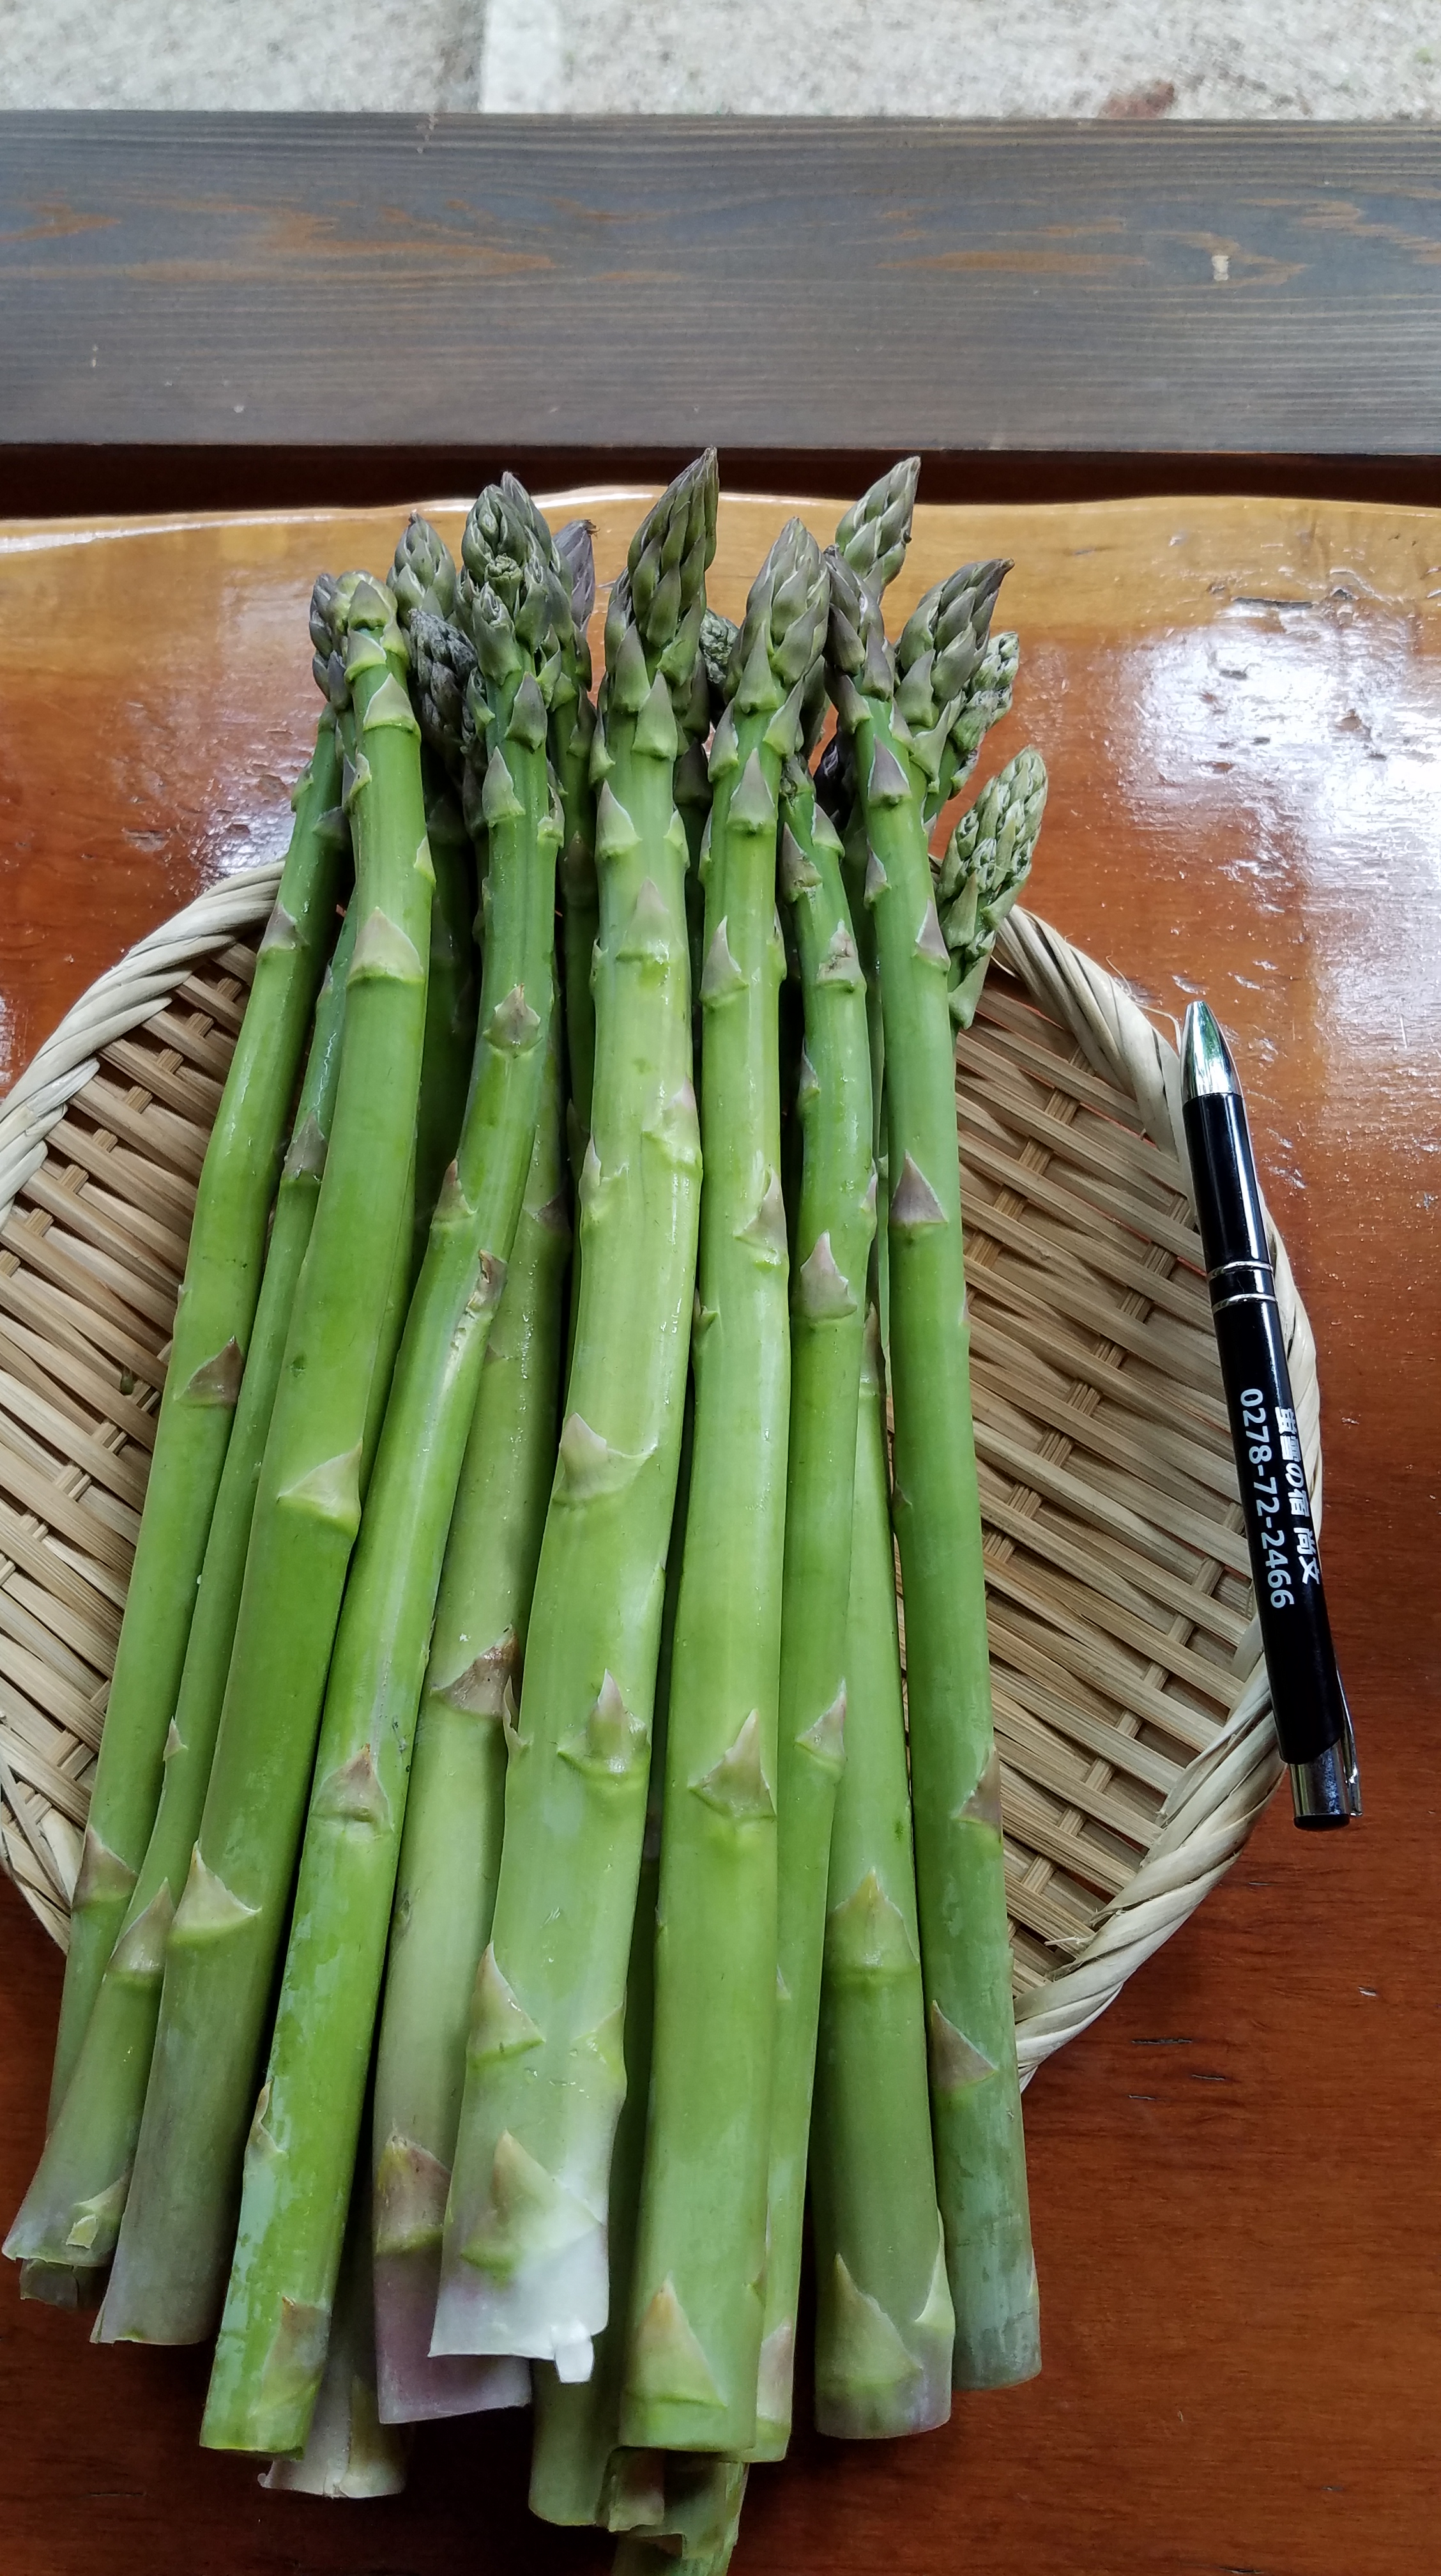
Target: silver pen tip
(1205,1057)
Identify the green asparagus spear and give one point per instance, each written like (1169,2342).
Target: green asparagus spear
(884,2323)
(953,679)
(442,661)
(450,1006)
(525,2248)
(572,732)
(577,2422)
(872,537)
(423,573)
(212,1334)
(72,2210)
(692,777)
(986,864)
(176,2234)
(450,1852)
(423,580)
(951,699)
(884,2318)
(301,2154)
(960,1866)
(875,531)
(575,545)
(572,726)
(696,2307)
(835,1224)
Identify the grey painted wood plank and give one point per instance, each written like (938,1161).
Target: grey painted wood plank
(366,283)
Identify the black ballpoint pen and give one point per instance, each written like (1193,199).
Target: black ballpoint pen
(1313,1723)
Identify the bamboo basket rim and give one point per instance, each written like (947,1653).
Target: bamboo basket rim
(1123,1071)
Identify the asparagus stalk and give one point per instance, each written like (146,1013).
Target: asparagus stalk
(692,773)
(577,2422)
(696,2306)
(423,572)
(872,537)
(450,1008)
(575,545)
(572,730)
(960,1867)
(301,2155)
(936,655)
(952,678)
(212,1334)
(572,726)
(572,723)
(176,2234)
(834,1228)
(450,1851)
(884,2322)
(524,2265)
(423,580)
(442,662)
(987,862)
(350,2451)
(71,2214)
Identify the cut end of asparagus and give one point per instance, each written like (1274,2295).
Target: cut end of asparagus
(699,2522)
(413,2385)
(58,2235)
(60,2285)
(1005,2356)
(350,2453)
(547,2305)
(879,2377)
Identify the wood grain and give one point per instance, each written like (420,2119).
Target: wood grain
(1235,2174)
(456,285)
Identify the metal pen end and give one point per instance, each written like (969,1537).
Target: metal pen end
(1206,1065)
(1327,1792)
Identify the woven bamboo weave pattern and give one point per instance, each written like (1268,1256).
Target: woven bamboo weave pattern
(1132,1718)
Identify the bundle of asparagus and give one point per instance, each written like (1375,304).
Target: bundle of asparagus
(516,1788)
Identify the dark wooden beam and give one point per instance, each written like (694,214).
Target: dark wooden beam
(352,300)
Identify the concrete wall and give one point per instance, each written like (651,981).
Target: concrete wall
(1218,58)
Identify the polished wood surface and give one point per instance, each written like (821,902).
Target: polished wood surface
(1234,2175)
(375,294)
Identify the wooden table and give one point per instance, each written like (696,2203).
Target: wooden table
(1235,2174)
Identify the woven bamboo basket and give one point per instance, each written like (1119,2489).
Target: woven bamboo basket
(1132,1715)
